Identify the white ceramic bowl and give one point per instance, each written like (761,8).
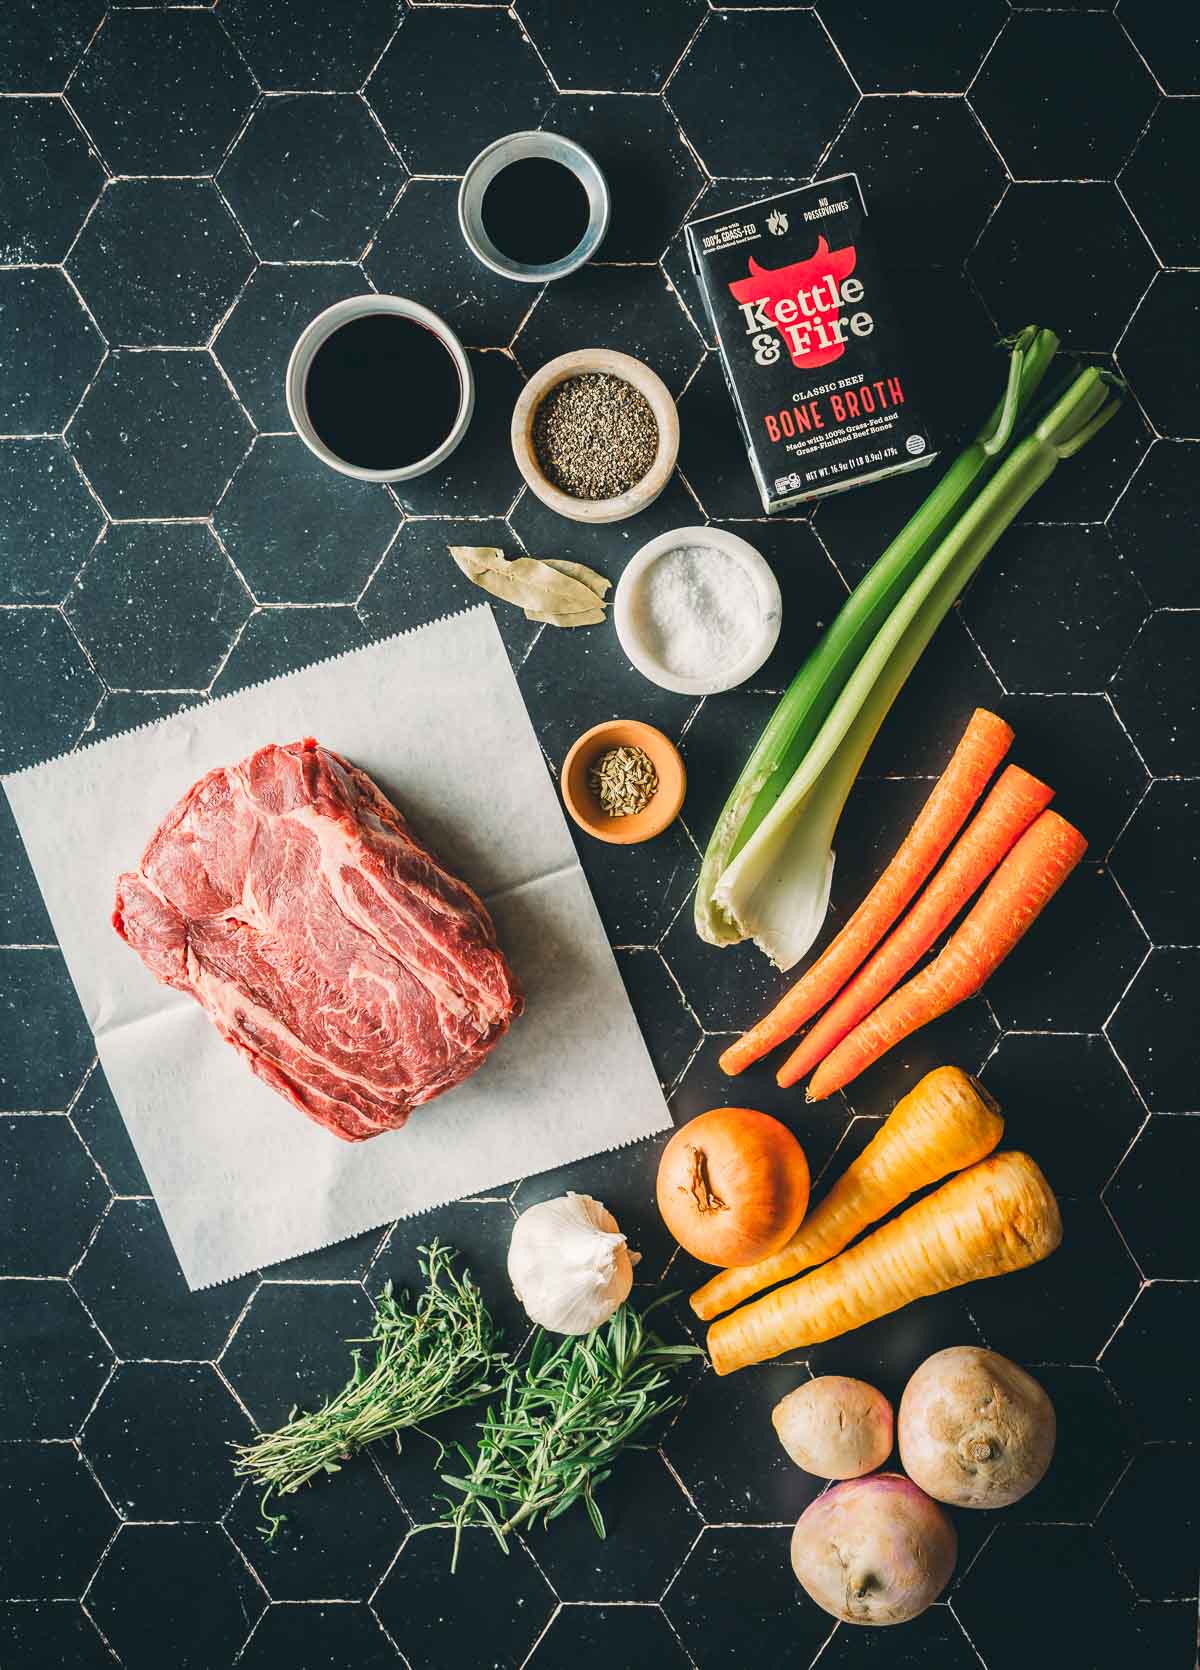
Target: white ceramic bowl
(770,611)
(318,331)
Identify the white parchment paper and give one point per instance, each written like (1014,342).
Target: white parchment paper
(241,1177)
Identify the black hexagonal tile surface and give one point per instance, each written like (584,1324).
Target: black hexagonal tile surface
(159,434)
(1154,692)
(1152,180)
(1064,139)
(158,604)
(49,351)
(48,521)
(290,1348)
(335,1542)
(127,710)
(630,309)
(159,261)
(44,1047)
(275,640)
(1167,37)
(752,1562)
(174,1590)
(54,1522)
(40,46)
(440,81)
(1151,1521)
(934,50)
(712,454)
(50,179)
(1094,1438)
(742,120)
(308,1637)
(1098,779)
(936,1637)
(584,1637)
(480,478)
(1149,1196)
(254,342)
(311,177)
(51,1197)
(309,46)
(1159,355)
(47,688)
(193,92)
(628,46)
(479,1232)
(64,1362)
(52,1632)
(669,1027)
(1141,1360)
(1164,895)
(23,918)
(1151,518)
(299,532)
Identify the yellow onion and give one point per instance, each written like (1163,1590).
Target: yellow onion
(732,1186)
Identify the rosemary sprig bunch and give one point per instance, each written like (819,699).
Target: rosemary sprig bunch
(561,1421)
(442,1354)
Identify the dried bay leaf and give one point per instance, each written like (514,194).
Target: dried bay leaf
(558,592)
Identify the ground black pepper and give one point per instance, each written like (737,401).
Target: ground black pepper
(595,436)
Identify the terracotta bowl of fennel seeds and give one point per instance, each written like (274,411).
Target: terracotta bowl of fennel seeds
(595,435)
(608,764)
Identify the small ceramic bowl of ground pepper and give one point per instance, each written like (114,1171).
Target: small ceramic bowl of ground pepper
(595,435)
(623,782)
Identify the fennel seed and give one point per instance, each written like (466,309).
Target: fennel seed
(624,781)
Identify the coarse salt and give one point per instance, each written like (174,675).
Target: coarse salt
(697,611)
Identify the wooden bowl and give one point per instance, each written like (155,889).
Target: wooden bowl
(647,383)
(581,801)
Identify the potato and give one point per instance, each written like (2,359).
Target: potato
(874,1551)
(975,1430)
(835,1427)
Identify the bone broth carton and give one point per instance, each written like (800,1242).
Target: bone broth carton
(810,346)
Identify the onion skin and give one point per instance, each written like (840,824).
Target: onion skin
(874,1551)
(733,1186)
(835,1427)
(975,1430)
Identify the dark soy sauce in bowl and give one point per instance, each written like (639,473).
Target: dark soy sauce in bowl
(535,211)
(383,391)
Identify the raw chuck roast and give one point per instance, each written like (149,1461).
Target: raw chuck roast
(289,897)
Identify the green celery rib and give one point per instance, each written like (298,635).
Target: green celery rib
(806,704)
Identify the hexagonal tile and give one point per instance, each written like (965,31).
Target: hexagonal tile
(290,1349)
(638,905)
(418,580)
(95,1116)
(1152,180)
(732,112)
(1062,1310)
(1074,962)
(1018,96)
(23,919)
(47,689)
(485,308)
(931,712)
(935,50)
(39,46)
(254,342)
(729,986)
(592,1637)
(52,1632)
(752,1562)
(277,640)
(50,180)
(48,520)
(718,197)
(316,1637)
(54,1522)
(670,1029)
(1163,713)
(1036,1563)
(420,1601)
(752,1481)
(1142,1357)
(481,478)
(128,710)
(955,391)
(623,1180)
(157,604)
(624,46)
(1150,1195)
(299,532)
(440,117)
(1152,517)
(1152,1523)
(925,164)
(1158,353)
(479,1231)
(160,261)
(1053,1085)
(159,434)
(1088,485)
(44,1040)
(1055,609)
(1093,1443)
(1091,267)
(50,351)
(936,1637)
(712,453)
(132,1284)
(310,47)
(1166,37)
(193,92)
(311,177)
(631,309)
(63,1360)
(51,1197)
(174,1593)
(158,1441)
(335,1542)
(651,174)
(1098,778)
(1166,897)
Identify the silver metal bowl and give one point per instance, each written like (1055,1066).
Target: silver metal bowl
(513,148)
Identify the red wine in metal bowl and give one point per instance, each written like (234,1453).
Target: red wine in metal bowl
(383,391)
(535,211)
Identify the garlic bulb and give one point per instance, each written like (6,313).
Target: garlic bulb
(569,1264)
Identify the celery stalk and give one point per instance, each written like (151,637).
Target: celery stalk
(806,704)
(776,889)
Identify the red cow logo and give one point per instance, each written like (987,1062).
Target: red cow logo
(802,301)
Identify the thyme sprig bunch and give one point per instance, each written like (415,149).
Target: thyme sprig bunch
(559,1424)
(439,1355)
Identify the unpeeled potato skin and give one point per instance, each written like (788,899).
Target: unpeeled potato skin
(874,1551)
(835,1427)
(975,1429)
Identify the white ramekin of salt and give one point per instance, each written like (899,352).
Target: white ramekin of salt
(697,610)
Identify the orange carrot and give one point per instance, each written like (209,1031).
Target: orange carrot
(1011,902)
(946,1122)
(995,1217)
(984,744)
(1011,806)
